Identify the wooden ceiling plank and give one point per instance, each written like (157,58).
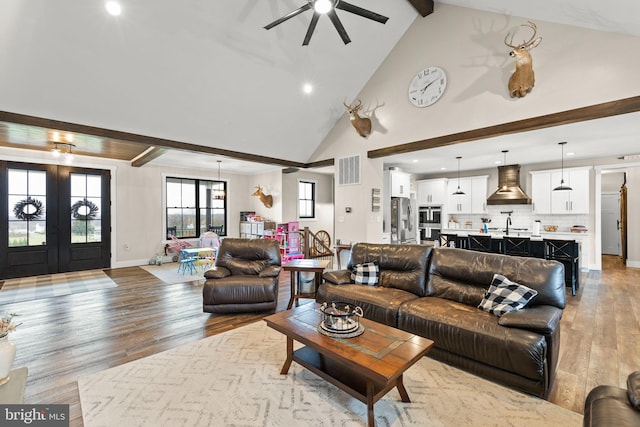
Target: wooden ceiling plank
(598,111)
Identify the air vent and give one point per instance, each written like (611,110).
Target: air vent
(349,170)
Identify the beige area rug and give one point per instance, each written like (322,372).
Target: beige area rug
(168,273)
(53,285)
(232,379)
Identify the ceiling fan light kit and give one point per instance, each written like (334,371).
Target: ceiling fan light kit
(328,7)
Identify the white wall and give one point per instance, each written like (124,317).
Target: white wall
(574,67)
(324,201)
(633,225)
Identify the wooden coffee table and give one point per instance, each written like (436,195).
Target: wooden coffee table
(367,367)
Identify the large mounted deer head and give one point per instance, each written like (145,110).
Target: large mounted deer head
(522,79)
(361,124)
(267,200)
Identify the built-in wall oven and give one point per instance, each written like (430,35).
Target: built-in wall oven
(429,222)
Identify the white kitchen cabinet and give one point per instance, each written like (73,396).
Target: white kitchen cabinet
(399,183)
(432,192)
(541,192)
(575,201)
(474,199)
(479,194)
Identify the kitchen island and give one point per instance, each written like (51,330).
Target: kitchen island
(535,248)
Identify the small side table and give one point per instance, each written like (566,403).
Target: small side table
(295,267)
(12,392)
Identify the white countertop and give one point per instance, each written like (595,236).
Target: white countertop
(517,233)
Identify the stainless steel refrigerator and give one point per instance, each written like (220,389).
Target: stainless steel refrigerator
(403,220)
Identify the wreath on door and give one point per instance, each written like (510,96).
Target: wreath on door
(84,210)
(28,209)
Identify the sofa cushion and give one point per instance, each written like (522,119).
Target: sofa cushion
(366,273)
(464,276)
(401,266)
(475,334)
(504,296)
(378,303)
(633,389)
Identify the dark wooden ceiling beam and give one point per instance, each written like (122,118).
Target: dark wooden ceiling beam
(144,140)
(598,111)
(147,156)
(424,7)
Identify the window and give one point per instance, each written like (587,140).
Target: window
(195,206)
(27,208)
(86,201)
(306,199)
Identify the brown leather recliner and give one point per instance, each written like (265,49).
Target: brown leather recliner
(607,405)
(245,277)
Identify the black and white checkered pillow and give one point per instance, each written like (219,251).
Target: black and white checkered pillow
(366,273)
(504,296)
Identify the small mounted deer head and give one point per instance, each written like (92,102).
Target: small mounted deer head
(522,79)
(361,124)
(267,200)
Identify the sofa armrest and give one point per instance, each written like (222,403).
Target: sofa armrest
(270,271)
(541,318)
(338,277)
(217,273)
(633,389)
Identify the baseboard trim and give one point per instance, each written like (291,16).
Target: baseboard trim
(633,264)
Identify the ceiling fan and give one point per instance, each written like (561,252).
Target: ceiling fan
(328,7)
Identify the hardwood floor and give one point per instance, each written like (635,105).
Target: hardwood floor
(66,337)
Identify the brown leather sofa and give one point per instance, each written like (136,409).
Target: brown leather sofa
(607,405)
(245,277)
(435,294)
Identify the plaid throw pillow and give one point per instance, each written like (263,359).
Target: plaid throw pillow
(366,273)
(504,296)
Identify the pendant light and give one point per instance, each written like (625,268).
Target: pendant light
(218,194)
(562,186)
(458,192)
(503,188)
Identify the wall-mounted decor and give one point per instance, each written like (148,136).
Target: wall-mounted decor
(28,209)
(362,125)
(522,79)
(375,200)
(266,199)
(84,210)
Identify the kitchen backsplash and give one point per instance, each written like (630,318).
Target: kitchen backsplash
(522,217)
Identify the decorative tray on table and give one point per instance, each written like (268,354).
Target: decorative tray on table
(340,320)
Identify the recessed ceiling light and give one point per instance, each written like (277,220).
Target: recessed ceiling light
(307,88)
(415,160)
(498,162)
(571,154)
(443,169)
(113,7)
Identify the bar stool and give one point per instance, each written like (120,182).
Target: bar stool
(518,246)
(448,240)
(567,252)
(479,243)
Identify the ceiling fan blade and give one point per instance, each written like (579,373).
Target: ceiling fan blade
(311,29)
(336,23)
(348,7)
(289,15)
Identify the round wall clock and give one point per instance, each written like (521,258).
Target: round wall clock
(427,86)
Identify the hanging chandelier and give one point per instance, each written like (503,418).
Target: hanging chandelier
(218,193)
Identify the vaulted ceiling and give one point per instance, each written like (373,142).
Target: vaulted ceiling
(166,79)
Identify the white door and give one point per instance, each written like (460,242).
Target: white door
(611,224)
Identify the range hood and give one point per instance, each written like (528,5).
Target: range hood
(509,191)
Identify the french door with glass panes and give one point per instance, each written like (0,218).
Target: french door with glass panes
(57,219)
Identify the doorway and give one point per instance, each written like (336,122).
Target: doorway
(611,238)
(55,219)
